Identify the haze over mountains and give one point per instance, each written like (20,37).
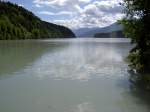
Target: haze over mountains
(91,32)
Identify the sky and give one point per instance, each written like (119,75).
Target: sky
(75,14)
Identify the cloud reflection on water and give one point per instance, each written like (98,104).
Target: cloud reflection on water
(80,62)
(84,107)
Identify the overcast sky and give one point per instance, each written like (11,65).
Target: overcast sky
(75,13)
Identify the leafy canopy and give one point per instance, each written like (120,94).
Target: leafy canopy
(137,27)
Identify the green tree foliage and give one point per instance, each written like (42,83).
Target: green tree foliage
(18,23)
(137,27)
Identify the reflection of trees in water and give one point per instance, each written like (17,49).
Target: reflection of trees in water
(141,81)
(15,55)
(137,84)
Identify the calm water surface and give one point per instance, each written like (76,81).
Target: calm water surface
(71,75)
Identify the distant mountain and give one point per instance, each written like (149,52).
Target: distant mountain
(114,34)
(18,23)
(90,32)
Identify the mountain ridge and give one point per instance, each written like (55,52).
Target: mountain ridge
(90,32)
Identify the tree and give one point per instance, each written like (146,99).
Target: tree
(136,26)
(35,33)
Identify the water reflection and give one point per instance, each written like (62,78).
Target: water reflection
(137,88)
(80,61)
(67,76)
(17,55)
(84,107)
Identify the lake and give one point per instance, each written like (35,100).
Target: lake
(68,75)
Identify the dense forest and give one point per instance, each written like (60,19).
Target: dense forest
(114,34)
(18,23)
(137,27)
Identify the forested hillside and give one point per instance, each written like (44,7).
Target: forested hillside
(114,34)
(18,23)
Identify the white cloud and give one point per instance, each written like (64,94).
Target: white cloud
(55,14)
(61,2)
(21,5)
(37,5)
(85,1)
(84,13)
